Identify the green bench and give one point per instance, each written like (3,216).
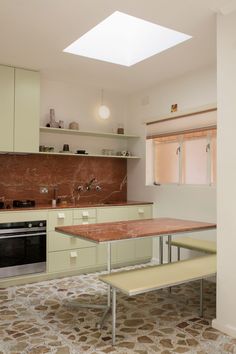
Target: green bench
(142,280)
(194,244)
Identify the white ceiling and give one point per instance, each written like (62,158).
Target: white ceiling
(33,34)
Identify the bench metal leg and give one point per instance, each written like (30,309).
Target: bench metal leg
(178,253)
(201,298)
(169,254)
(113,316)
(169,249)
(161,249)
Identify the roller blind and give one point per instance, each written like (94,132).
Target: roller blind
(182,124)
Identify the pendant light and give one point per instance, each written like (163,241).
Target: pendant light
(103,111)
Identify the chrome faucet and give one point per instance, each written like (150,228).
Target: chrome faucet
(90,183)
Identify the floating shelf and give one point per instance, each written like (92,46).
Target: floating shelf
(89,155)
(88,133)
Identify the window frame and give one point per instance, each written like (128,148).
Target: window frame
(180,139)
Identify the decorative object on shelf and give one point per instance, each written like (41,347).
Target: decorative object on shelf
(44,148)
(52,123)
(109,152)
(123,153)
(120,129)
(74,126)
(174,107)
(83,152)
(66,147)
(103,111)
(61,124)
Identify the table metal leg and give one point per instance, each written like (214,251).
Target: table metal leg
(108,307)
(105,307)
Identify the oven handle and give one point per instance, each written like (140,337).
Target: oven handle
(27,229)
(20,236)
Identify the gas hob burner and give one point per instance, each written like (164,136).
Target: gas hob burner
(23,203)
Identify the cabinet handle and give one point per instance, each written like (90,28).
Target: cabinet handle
(85,214)
(73,254)
(61,216)
(140,211)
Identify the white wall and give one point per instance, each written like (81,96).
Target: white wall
(189,202)
(226,191)
(76,102)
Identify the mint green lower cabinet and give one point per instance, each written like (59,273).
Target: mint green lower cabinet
(67,255)
(130,251)
(60,242)
(102,254)
(143,248)
(71,260)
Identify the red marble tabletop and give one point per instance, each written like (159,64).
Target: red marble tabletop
(121,230)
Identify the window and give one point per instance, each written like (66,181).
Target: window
(181,148)
(185,158)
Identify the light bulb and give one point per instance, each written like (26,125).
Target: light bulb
(104,112)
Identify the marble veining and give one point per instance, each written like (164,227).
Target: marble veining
(119,230)
(23,175)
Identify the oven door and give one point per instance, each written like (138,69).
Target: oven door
(22,254)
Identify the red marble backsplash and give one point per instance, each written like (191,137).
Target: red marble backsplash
(23,175)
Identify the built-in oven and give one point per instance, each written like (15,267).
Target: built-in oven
(22,248)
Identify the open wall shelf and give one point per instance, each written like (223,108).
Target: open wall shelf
(87,133)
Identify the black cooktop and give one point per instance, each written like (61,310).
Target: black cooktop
(27,203)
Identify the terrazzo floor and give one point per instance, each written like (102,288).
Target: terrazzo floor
(38,318)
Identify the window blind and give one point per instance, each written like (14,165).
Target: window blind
(188,123)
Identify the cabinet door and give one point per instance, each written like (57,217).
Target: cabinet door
(6,107)
(27,106)
(122,251)
(60,217)
(130,250)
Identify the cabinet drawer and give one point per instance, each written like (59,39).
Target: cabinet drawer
(142,212)
(132,212)
(60,242)
(15,216)
(71,259)
(112,214)
(84,221)
(59,218)
(85,213)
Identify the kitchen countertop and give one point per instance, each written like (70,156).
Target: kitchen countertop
(122,230)
(79,205)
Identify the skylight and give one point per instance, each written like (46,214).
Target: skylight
(125,40)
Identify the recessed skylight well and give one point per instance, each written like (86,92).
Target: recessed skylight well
(125,40)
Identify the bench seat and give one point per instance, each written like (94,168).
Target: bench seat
(194,244)
(141,280)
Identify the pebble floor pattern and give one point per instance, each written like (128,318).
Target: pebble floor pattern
(36,318)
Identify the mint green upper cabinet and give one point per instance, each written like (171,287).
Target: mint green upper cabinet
(19,109)
(6,108)
(27,107)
